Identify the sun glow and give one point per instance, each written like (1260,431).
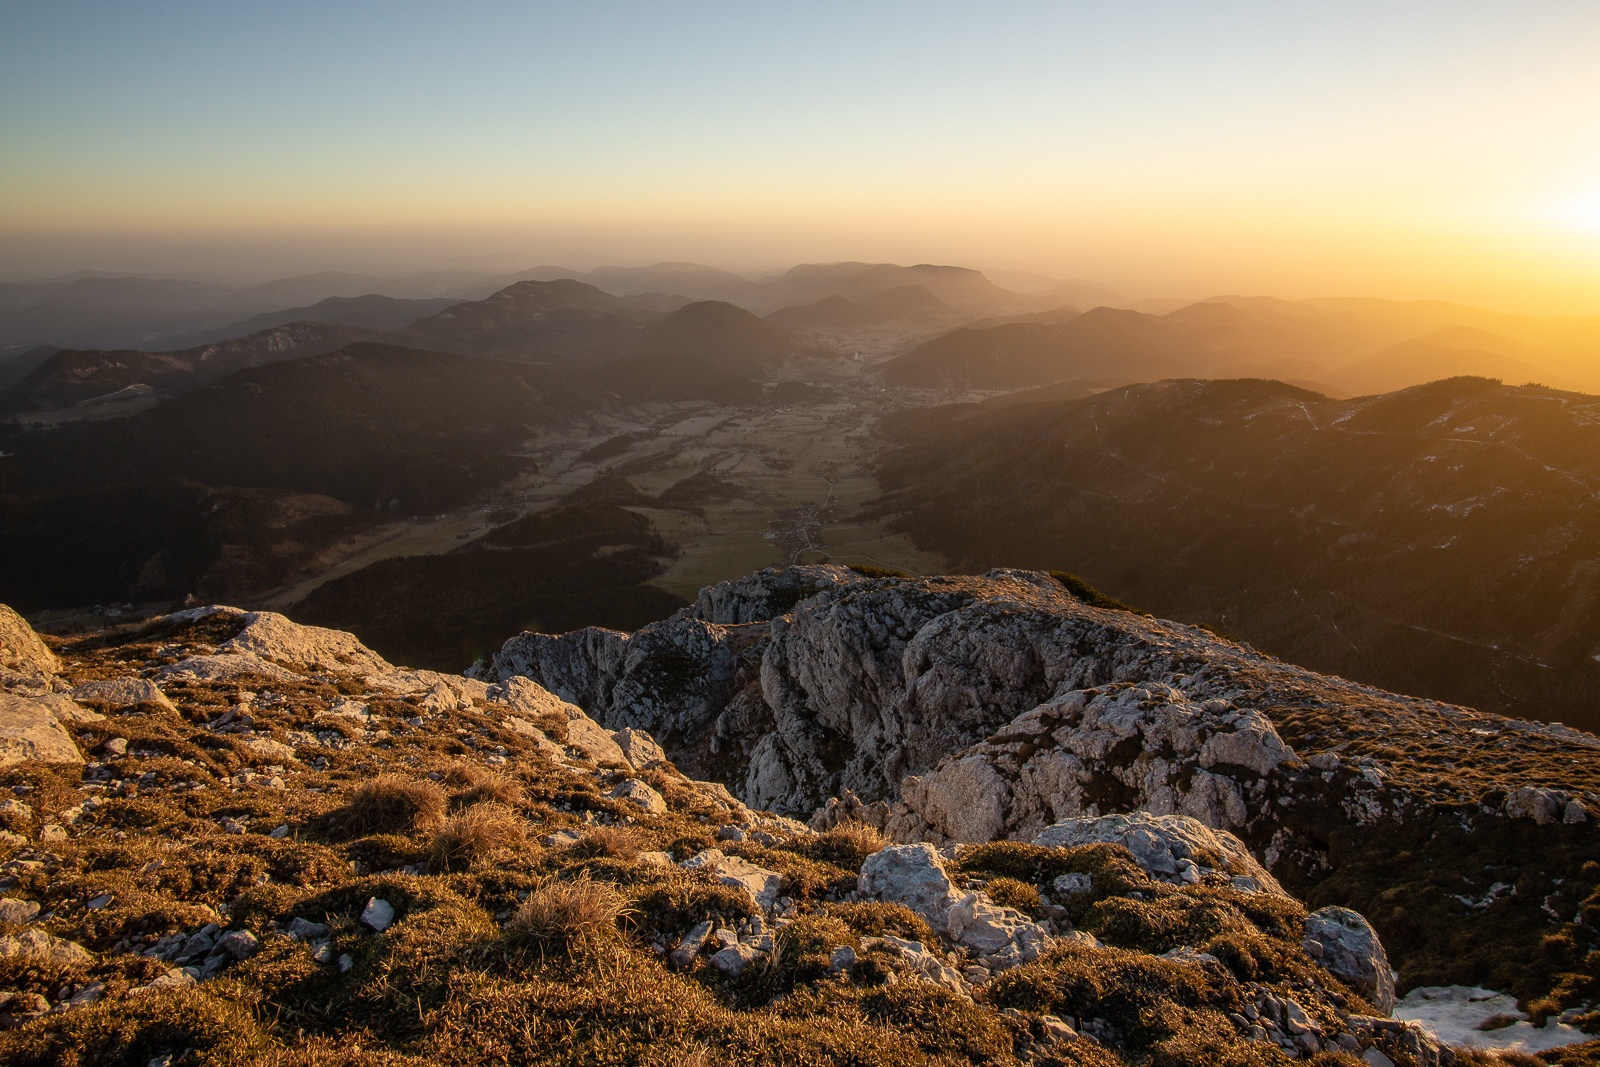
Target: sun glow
(1580,212)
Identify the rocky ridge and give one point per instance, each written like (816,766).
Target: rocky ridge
(961,710)
(271,845)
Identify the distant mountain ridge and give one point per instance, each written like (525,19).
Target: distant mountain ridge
(1437,540)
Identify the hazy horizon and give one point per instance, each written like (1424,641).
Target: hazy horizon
(1415,151)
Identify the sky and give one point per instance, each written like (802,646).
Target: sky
(1297,148)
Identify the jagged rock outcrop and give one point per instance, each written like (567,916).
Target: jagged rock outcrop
(33,716)
(964,709)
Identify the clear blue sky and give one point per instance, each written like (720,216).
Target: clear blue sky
(1188,141)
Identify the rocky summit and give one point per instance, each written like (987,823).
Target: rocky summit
(817,817)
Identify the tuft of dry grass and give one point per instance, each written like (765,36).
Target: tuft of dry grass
(561,915)
(473,835)
(1013,893)
(480,785)
(393,803)
(846,845)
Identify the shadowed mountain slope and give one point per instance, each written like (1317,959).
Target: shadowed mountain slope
(1437,540)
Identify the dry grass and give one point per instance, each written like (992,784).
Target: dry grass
(472,836)
(1013,893)
(480,785)
(561,915)
(393,803)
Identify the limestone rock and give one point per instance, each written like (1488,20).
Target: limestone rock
(240,944)
(45,948)
(1168,847)
(1544,806)
(378,914)
(123,693)
(232,667)
(1002,937)
(1054,762)
(641,795)
(691,944)
(919,960)
(735,959)
(638,747)
(29,730)
(761,885)
(274,637)
(594,741)
(15,912)
(1351,952)
(21,650)
(912,875)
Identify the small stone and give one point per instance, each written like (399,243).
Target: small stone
(323,952)
(53,832)
(640,795)
(561,838)
(306,930)
(240,944)
(280,832)
(1374,1058)
(735,959)
(378,914)
(842,959)
(345,963)
(730,833)
(89,994)
(117,747)
(101,901)
(690,946)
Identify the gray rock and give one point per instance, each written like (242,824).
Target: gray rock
(1164,845)
(1544,806)
(760,884)
(378,914)
(30,730)
(842,959)
(240,944)
(306,930)
(641,796)
(116,748)
(44,947)
(120,693)
(1352,953)
(691,944)
(639,747)
(735,959)
(912,875)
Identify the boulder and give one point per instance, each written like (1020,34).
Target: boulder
(273,637)
(234,666)
(761,885)
(1347,946)
(21,650)
(1002,937)
(1171,848)
(594,741)
(912,875)
(30,730)
(118,693)
(1544,806)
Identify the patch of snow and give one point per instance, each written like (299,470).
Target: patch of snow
(1453,1013)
